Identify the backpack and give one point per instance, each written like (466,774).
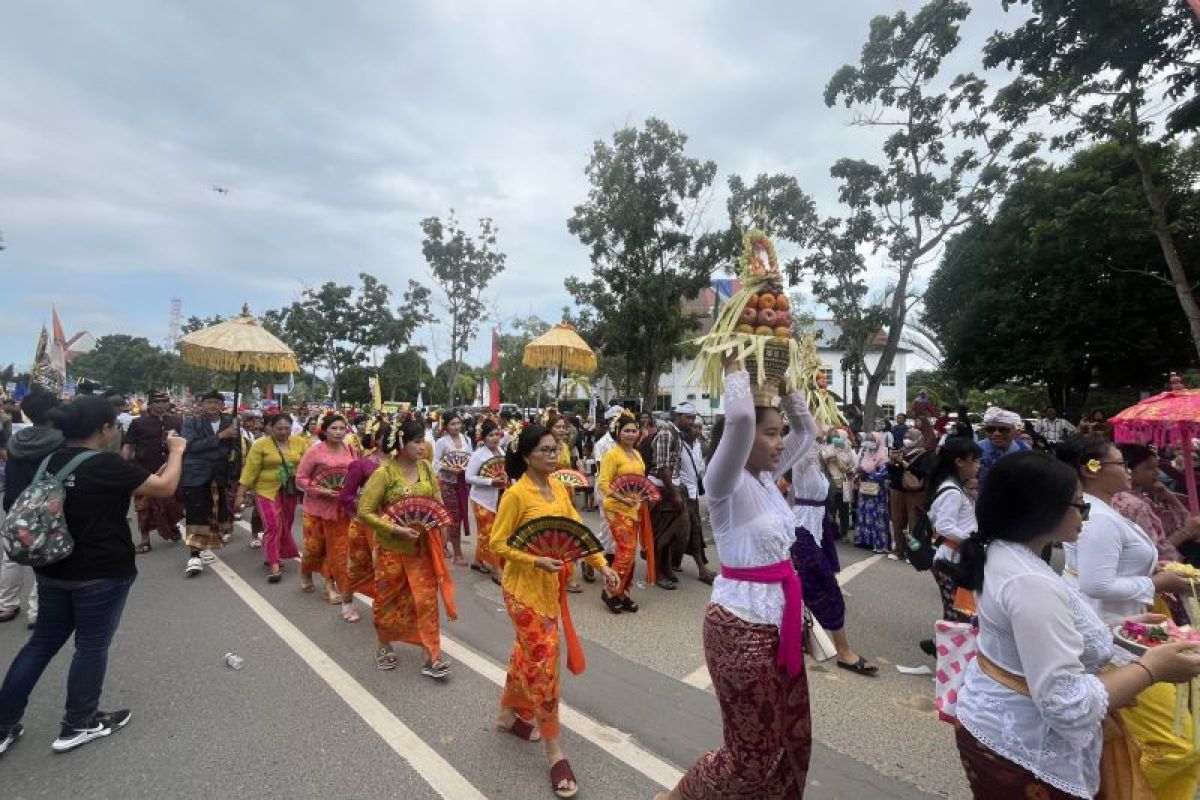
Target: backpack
(35,531)
(919,540)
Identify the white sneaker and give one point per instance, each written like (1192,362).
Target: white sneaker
(208,556)
(193,568)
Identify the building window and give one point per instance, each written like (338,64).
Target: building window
(890,380)
(887,411)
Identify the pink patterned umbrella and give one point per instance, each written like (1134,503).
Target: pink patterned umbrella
(1170,418)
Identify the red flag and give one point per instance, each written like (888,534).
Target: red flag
(495,387)
(1195,4)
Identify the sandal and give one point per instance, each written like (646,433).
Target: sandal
(351,616)
(614,603)
(562,779)
(481,568)
(522,729)
(385,659)
(306,584)
(589,573)
(144,547)
(860,667)
(574,588)
(334,598)
(275,577)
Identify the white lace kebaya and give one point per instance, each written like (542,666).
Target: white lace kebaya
(1033,624)
(1112,563)
(752,523)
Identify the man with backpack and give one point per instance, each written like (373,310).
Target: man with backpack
(26,449)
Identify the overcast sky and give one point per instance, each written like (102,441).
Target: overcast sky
(338,126)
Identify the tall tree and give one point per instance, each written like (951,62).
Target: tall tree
(1121,70)
(945,156)
(1054,290)
(463,267)
(402,374)
(334,327)
(641,222)
(519,383)
(453,381)
(125,364)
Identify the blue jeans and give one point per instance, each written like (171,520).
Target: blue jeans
(92,611)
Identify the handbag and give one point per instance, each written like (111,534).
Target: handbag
(869,488)
(287,478)
(956,647)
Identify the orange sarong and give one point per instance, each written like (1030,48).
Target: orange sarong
(406,595)
(360,559)
(531,687)
(326,549)
(628,534)
(483,531)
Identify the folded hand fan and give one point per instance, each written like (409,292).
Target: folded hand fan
(455,460)
(555,537)
(420,513)
(573,478)
(637,488)
(493,468)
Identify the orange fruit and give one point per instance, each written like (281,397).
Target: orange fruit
(753,302)
(766,301)
(782,303)
(783,333)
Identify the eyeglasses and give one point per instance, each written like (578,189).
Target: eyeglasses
(547,451)
(1085,509)
(1122,462)
(997,428)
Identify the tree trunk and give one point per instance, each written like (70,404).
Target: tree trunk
(1162,232)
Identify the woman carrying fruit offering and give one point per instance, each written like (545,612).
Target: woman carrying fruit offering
(623,514)
(1115,564)
(485,495)
(325,521)
(410,565)
(535,602)
(1036,708)
(452,447)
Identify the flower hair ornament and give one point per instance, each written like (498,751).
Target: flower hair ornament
(1093,465)
(620,421)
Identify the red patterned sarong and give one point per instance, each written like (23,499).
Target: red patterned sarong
(483,531)
(406,595)
(768,737)
(360,558)
(531,688)
(326,549)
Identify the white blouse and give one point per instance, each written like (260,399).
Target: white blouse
(1112,563)
(444,445)
(1033,624)
(810,483)
(482,490)
(952,515)
(752,523)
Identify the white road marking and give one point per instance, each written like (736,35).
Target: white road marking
(700,678)
(606,737)
(433,769)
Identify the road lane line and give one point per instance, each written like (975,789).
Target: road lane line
(609,739)
(433,769)
(700,678)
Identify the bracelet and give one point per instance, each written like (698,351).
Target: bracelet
(1153,680)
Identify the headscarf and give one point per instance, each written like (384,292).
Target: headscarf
(871,460)
(1001,416)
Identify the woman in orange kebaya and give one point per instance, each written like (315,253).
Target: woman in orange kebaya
(410,566)
(535,596)
(624,518)
(325,521)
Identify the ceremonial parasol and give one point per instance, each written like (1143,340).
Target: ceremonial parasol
(236,345)
(561,348)
(1173,418)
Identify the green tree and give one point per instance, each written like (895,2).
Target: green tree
(334,327)
(463,267)
(641,222)
(518,383)
(945,156)
(1054,289)
(453,382)
(1124,71)
(354,383)
(403,373)
(125,364)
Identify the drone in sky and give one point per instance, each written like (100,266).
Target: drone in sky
(220,189)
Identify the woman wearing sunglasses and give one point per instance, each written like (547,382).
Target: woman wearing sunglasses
(1115,565)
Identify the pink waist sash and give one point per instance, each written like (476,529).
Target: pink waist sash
(791,629)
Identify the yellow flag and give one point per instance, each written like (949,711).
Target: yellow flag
(376,392)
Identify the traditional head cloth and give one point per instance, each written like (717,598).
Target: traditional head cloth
(1000,416)
(612,412)
(212,395)
(687,409)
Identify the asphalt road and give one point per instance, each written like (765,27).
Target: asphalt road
(309,716)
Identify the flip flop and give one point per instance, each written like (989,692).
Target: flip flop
(522,729)
(561,773)
(860,667)
(144,547)
(481,568)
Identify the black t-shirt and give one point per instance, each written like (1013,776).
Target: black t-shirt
(97,502)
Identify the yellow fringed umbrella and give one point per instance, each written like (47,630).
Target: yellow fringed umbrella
(562,348)
(237,345)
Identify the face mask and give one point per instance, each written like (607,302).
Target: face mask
(870,444)
(837,441)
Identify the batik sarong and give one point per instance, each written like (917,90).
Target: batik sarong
(406,596)
(531,688)
(818,568)
(483,532)
(994,777)
(326,549)
(454,498)
(208,518)
(768,737)
(360,559)
(625,533)
(162,514)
